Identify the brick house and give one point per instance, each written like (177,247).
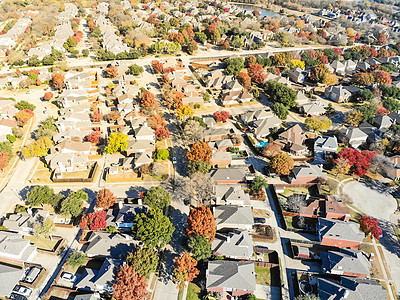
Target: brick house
(339,233)
(326,208)
(306,173)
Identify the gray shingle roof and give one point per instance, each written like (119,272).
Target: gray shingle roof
(234,174)
(231,274)
(326,143)
(233,215)
(237,243)
(347,260)
(340,230)
(9,277)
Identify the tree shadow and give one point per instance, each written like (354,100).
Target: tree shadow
(24,192)
(389,238)
(134,191)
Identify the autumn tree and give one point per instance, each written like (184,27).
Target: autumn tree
(148,100)
(116,142)
(154,228)
(144,261)
(201,221)
(96,116)
(221,116)
(185,269)
(130,285)
(4,158)
(111,72)
(156,121)
(382,38)
(93,137)
(48,96)
(256,72)
(105,199)
(318,123)
(161,133)
(370,225)
(244,79)
(200,151)
(94,221)
(173,99)
(271,149)
(157,66)
(282,163)
(23,117)
(363,79)
(184,112)
(353,117)
(157,197)
(341,167)
(113,116)
(383,77)
(58,81)
(358,161)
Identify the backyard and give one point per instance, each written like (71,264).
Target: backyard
(43,243)
(268,276)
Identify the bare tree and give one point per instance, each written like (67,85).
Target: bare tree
(295,202)
(192,131)
(381,163)
(200,188)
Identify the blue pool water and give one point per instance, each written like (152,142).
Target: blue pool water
(262,144)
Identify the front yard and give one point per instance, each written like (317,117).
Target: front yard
(42,243)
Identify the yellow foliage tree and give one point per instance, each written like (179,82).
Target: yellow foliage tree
(294,63)
(184,112)
(330,79)
(350,32)
(318,123)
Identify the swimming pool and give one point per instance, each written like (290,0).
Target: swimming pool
(262,144)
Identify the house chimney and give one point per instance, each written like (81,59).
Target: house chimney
(127,237)
(139,201)
(371,256)
(228,239)
(29,211)
(120,204)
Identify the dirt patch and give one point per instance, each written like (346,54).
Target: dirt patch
(261,213)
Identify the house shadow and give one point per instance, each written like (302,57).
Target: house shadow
(389,238)
(134,191)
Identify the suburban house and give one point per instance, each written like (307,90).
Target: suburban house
(394,172)
(312,109)
(383,122)
(10,275)
(253,116)
(226,176)
(69,146)
(306,173)
(234,97)
(297,75)
(6,126)
(67,162)
(353,136)
(24,222)
(139,146)
(233,216)
(337,93)
(347,262)
(338,67)
(326,208)
(143,158)
(123,216)
(221,159)
(215,134)
(350,288)
(114,245)
(292,140)
(70,134)
(235,244)
(144,133)
(231,194)
(325,144)
(339,233)
(100,280)
(232,278)
(14,248)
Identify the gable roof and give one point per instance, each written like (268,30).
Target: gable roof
(143,131)
(237,243)
(347,260)
(12,245)
(306,170)
(325,143)
(234,174)
(312,108)
(294,134)
(106,244)
(233,214)
(9,277)
(340,230)
(231,274)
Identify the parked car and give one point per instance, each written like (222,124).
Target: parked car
(260,220)
(115,164)
(68,277)
(17,297)
(22,290)
(174,160)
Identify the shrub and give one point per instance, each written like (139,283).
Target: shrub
(11,138)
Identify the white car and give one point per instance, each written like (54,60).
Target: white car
(68,277)
(22,290)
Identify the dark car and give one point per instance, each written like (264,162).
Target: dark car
(260,220)
(17,297)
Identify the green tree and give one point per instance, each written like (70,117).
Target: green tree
(198,166)
(278,92)
(237,42)
(199,246)
(391,104)
(47,128)
(144,261)
(77,259)
(6,146)
(72,205)
(201,36)
(157,197)
(234,65)
(154,228)
(135,70)
(206,96)
(116,142)
(21,105)
(280,110)
(162,154)
(258,184)
(368,111)
(34,61)
(85,52)
(45,229)
(42,194)
(365,95)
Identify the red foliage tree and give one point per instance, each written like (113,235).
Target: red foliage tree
(156,121)
(221,116)
(382,111)
(4,157)
(94,221)
(323,59)
(130,285)
(48,95)
(201,221)
(370,225)
(97,116)
(338,51)
(157,66)
(148,100)
(93,137)
(359,161)
(105,199)
(168,70)
(256,72)
(161,133)
(200,151)
(58,81)
(383,77)
(111,72)
(244,79)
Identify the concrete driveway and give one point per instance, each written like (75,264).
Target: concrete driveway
(371,200)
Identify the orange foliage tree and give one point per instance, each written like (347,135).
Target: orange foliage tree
(58,81)
(256,72)
(23,116)
(4,157)
(185,269)
(200,151)
(201,221)
(105,199)
(156,121)
(111,72)
(148,100)
(130,285)
(244,79)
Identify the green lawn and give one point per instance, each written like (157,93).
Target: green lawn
(291,191)
(193,292)
(289,221)
(42,243)
(263,276)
